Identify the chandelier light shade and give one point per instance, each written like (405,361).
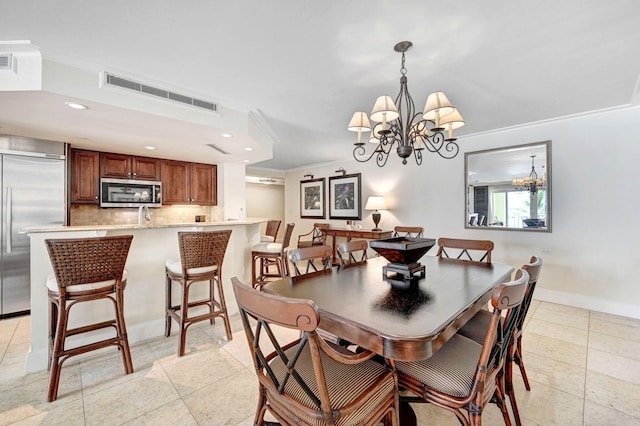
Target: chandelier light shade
(359,123)
(397,124)
(531,183)
(376,202)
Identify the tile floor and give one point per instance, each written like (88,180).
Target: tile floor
(584,369)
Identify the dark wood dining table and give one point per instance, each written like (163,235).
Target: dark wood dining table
(396,320)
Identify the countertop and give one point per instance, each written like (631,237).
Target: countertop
(35,230)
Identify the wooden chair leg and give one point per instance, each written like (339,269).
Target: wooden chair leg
(122,332)
(223,307)
(58,347)
(518,360)
(53,323)
(509,390)
(167,317)
(212,301)
(184,311)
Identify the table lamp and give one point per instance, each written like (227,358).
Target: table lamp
(376,202)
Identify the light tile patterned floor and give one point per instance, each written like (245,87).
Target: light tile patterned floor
(584,369)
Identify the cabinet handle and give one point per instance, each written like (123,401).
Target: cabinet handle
(96,197)
(135,174)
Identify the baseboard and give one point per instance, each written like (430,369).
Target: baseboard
(587,302)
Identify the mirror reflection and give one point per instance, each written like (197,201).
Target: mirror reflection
(509,188)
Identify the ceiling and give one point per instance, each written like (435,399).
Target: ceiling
(304,67)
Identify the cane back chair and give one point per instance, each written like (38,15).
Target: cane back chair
(266,255)
(465,375)
(315,237)
(271,232)
(466,248)
(84,270)
(201,257)
(408,231)
(306,381)
(476,328)
(352,252)
(314,259)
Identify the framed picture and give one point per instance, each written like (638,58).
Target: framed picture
(312,198)
(344,197)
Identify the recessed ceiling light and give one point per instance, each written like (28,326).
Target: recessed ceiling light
(248,149)
(246,161)
(75,105)
(226,135)
(151,148)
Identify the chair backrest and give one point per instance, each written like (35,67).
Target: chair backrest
(316,258)
(480,248)
(497,341)
(533,268)
(348,252)
(293,369)
(88,260)
(272,228)
(408,231)
(202,249)
(318,237)
(286,240)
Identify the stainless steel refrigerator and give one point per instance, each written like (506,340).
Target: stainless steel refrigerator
(32,178)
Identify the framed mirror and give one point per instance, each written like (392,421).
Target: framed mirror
(509,188)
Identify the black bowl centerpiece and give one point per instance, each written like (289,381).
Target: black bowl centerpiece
(403,254)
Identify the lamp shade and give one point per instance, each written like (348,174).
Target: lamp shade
(453,119)
(359,122)
(375,202)
(437,103)
(384,106)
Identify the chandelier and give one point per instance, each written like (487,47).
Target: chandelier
(398,124)
(531,183)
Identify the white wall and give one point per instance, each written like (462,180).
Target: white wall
(592,250)
(266,201)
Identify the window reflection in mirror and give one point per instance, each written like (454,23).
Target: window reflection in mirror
(509,188)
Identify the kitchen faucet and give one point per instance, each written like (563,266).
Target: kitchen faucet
(147,214)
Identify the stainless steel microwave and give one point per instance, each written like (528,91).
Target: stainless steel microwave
(130,193)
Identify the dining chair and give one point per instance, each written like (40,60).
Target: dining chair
(465,375)
(313,259)
(271,232)
(305,380)
(201,257)
(315,237)
(476,327)
(265,255)
(408,231)
(481,249)
(85,270)
(353,252)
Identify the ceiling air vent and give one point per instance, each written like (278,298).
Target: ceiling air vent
(6,62)
(124,83)
(210,145)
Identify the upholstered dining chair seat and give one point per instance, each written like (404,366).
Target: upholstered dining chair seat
(360,377)
(267,247)
(52,284)
(476,328)
(451,370)
(175,266)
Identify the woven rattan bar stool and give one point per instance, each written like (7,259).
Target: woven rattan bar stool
(266,255)
(85,269)
(201,256)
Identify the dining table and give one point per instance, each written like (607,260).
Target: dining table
(404,320)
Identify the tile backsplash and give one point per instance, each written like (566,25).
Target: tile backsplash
(93,215)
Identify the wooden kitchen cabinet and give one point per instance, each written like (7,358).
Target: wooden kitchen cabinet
(189,183)
(129,167)
(85,177)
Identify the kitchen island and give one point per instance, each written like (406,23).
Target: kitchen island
(144,303)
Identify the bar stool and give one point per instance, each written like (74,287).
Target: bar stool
(266,254)
(85,269)
(201,257)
